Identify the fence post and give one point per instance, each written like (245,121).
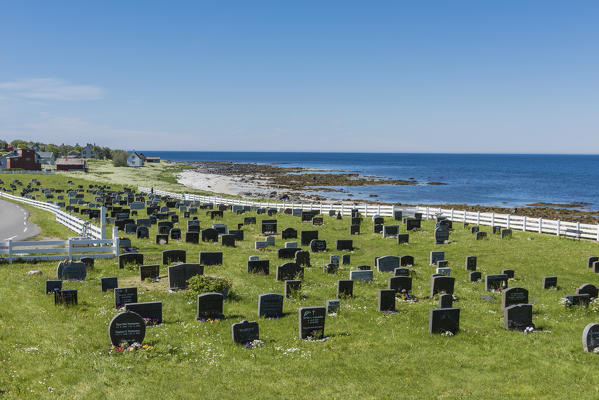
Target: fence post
(598,233)
(478,218)
(541,225)
(524,224)
(70,249)
(342,213)
(465,215)
(10,251)
(451,218)
(508,222)
(116,241)
(493,219)
(379,212)
(578,230)
(427,212)
(103,222)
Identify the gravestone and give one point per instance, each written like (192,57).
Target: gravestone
(442,284)
(170,256)
(220,228)
(88,261)
(269,226)
(291,245)
(127,327)
(52,285)
(494,282)
(345,245)
(589,289)
(130,228)
(210,306)
(245,332)
(442,264)
(180,273)
(591,261)
(475,276)
(471,263)
(474,229)
(397,215)
(590,337)
(164,230)
(334,259)
(258,245)
(406,260)
(496,229)
(311,322)
(364,267)
(270,305)
(292,286)
(249,220)
(124,295)
(209,235)
(317,221)
(403,238)
(436,256)
(390,231)
(513,295)
(142,232)
(387,263)
(549,282)
(72,271)
(378,220)
(317,246)
(401,284)
(345,259)
(270,240)
(237,234)
(400,271)
(175,233)
(192,237)
(288,252)
(193,225)
(481,235)
(506,233)
(509,272)
(151,271)
(333,306)
(307,236)
(288,233)
(302,258)
(361,275)
(578,300)
(258,267)
(443,271)
(386,300)
(211,258)
(162,239)
(227,240)
(443,320)
(412,224)
(109,283)
(330,268)
(345,288)
(150,311)
(518,316)
(596,267)
(445,301)
(356,221)
(65,297)
(441,234)
(289,271)
(354,229)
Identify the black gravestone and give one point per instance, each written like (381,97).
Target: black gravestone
(211,258)
(311,322)
(442,284)
(345,245)
(401,284)
(151,271)
(317,246)
(288,252)
(53,285)
(445,301)
(443,320)
(518,316)
(268,226)
(289,271)
(386,300)
(180,273)
(245,332)
(170,256)
(513,295)
(109,283)
(475,276)
(401,271)
(150,311)
(590,337)
(270,305)
(124,295)
(345,289)
(209,235)
(258,267)
(161,238)
(66,297)
(509,272)
(292,287)
(210,306)
(127,327)
(406,260)
(192,237)
(549,282)
(302,258)
(403,238)
(354,229)
(471,263)
(494,282)
(345,259)
(307,236)
(288,233)
(589,289)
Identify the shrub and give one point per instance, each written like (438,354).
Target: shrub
(199,284)
(119,158)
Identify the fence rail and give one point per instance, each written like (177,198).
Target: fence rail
(25,171)
(49,250)
(75,224)
(553,227)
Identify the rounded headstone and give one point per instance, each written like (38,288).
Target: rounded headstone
(127,327)
(590,337)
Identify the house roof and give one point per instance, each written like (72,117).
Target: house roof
(45,154)
(70,161)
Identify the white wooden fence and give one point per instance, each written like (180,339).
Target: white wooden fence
(554,227)
(48,250)
(77,225)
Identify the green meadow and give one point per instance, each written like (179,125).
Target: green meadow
(59,352)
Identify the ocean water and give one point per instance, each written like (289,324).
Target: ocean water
(485,179)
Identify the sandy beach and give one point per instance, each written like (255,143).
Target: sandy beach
(222,184)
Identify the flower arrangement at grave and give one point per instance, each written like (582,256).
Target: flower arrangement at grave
(253,344)
(403,295)
(210,320)
(199,284)
(125,347)
(151,321)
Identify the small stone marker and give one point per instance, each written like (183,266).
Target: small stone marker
(406,260)
(509,272)
(151,271)
(354,229)
(506,233)
(170,256)
(441,235)
(345,289)
(261,267)
(386,300)
(481,235)
(109,283)
(471,263)
(444,271)
(317,246)
(180,273)
(445,301)
(345,259)
(590,337)
(211,258)
(442,284)
(334,259)
(513,295)
(124,295)
(443,320)
(270,305)
(151,311)
(245,332)
(549,282)
(361,275)
(311,322)
(127,327)
(518,316)
(292,287)
(390,231)
(442,264)
(474,229)
(401,271)
(589,289)
(66,297)
(578,300)
(72,271)
(475,276)
(333,306)
(291,245)
(53,285)
(494,282)
(210,306)
(347,244)
(403,238)
(436,256)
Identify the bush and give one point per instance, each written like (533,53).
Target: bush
(199,284)
(119,158)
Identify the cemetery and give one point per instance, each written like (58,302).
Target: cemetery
(250,302)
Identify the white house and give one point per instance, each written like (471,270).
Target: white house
(88,152)
(135,160)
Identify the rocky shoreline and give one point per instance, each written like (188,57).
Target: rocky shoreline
(301,184)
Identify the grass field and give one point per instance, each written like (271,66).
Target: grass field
(49,351)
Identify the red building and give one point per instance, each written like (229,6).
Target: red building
(71,164)
(24,159)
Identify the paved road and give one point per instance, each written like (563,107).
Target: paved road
(14,222)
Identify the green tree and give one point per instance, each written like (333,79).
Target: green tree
(119,158)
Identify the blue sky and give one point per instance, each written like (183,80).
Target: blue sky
(426,76)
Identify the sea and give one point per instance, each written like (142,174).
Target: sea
(505,180)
